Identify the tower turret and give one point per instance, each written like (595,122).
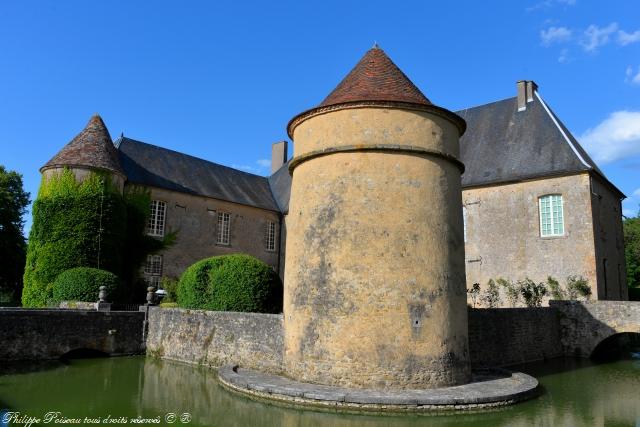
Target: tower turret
(375,291)
(91,150)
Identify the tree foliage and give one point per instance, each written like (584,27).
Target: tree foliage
(491,297)
(231,283)
(13,204)
(631,227)
(532,292)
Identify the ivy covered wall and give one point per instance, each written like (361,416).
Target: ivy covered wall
(75,224)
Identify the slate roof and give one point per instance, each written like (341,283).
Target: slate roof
(502,144)
(90,148)
(154,166)
(375,78)
(280,183)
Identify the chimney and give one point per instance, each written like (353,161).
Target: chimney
(278,155)
(526,89)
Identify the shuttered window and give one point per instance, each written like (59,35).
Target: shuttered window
(551,215)
(155,226)
(271,236)
(224,228)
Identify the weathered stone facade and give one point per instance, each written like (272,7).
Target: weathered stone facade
(374,281)
(214,338)
(584,325)
(508,336)
(503,237)
(49,334)
(195,219)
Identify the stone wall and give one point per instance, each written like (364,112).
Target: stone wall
(584,325)
(609,242)
(503,232)
(49,334)
(195,218)
(216,338)
(507,336)
(497,337)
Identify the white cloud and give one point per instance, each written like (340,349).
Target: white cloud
(616,137)
(625,38)
(631,77)
(595,36)
(636,193)
(245,168)
(265,163)
(546,4)
(555,35)
(262,164)
(564,56)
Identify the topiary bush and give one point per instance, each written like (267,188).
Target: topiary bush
(83,284)
(231,283)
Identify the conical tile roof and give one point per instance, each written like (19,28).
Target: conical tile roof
(91,148)
(376,78)
(376,81)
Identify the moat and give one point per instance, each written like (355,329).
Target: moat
(575,392)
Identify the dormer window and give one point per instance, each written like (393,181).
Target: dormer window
(551,215)
(155,226)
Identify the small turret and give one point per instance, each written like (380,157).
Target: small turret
(90,150)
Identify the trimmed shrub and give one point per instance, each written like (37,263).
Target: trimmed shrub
(83,284)
(231,283)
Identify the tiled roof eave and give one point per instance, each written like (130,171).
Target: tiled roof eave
(81,166)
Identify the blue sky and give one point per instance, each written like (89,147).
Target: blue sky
(220,80)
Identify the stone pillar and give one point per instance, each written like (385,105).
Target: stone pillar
(375,291)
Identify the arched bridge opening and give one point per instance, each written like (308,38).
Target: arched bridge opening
(622,345)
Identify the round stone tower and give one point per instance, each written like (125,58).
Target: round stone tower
(91,150)
(375,291)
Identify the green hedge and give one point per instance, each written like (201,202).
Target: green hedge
(231,283)
(75,224)
(83,284)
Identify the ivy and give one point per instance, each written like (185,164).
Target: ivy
(75,224)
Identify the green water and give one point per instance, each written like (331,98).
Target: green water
(576,393)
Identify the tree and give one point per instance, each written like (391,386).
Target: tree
(13,205)
(474,292)
(491,296)
(631,227)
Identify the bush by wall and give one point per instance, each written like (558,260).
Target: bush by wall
(74,224)
(231,283)
(83,284)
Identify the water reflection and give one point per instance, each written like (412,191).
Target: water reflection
(577,393)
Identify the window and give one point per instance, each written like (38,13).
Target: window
(271,236)
(155,227)
(551,215)
(224,225)
(153,270)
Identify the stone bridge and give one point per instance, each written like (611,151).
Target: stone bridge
(51,333)
(585,325)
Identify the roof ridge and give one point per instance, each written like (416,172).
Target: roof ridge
(485,104)
(193,157)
